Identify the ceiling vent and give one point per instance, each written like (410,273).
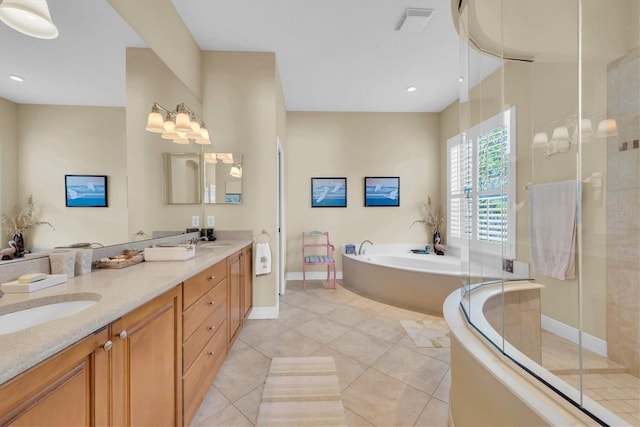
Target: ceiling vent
(415,20)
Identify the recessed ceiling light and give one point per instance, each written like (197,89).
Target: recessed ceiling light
(411,88)
(16,78)
(460,79)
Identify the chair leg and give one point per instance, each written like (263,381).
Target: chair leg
(328,272)
(304,278)
(334,275)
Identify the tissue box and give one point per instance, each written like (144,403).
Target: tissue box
(170,253)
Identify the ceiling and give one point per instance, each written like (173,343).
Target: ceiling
(332,55)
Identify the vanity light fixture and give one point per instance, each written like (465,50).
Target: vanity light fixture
(607,128)
(560,141)
(30,17)
(180,125)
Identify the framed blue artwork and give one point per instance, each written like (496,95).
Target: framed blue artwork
(381,191)
(328,192)
(86,191)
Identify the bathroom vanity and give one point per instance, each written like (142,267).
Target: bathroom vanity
(146,353)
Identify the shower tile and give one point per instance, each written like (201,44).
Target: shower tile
(613,326)
(629,291)
(612,285)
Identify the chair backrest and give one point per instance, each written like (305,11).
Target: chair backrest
(316,239)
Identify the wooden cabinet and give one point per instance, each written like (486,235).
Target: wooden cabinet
(71,388)
(125,374)
(153,366)
(240,272)
(246,278)
(147,363)
(204,347)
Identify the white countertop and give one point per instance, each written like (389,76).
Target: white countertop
(120,291)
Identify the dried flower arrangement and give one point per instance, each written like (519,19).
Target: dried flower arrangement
(22,220)
(430,217)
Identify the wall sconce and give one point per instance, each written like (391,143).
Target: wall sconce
(29,17)
(236,171)
(179,125)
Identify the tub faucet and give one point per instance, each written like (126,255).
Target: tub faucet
(361,244)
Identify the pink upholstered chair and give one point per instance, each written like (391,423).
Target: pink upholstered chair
(317,250)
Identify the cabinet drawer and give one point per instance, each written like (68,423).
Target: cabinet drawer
(202,308)
(196,286)
(199,377)
(194,344)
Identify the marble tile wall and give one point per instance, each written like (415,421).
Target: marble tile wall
(623,213)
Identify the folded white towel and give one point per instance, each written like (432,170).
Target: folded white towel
(552,228)
(262,262)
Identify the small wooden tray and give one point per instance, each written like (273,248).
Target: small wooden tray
(119,263)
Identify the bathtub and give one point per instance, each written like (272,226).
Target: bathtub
(394,275)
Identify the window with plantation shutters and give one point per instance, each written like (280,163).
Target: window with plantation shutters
(481,186)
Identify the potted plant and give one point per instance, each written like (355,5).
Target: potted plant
(433,218)
(22,220)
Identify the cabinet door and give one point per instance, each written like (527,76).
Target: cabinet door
(70,388)
(235,302)
(147,374)
(247,281)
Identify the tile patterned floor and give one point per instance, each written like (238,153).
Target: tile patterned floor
(385,379)
(604,381)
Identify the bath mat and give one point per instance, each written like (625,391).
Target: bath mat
(301,391)
(427,333)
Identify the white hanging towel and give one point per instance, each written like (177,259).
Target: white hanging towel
(552,228)
(262,264)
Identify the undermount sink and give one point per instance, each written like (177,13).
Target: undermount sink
(27,314)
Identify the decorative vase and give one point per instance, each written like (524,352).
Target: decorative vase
(19,245)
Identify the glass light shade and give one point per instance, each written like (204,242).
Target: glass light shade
(183,123)
(169,124)
(181,141)
(607,128)
(540,138)
(204,137)
(236,171)
(30,17)
(210,158)
(587,131)
(560,134)
(155,122)
(228,159)
(173,135)
(195,125)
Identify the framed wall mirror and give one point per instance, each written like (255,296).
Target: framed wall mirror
(181,178)
(222,178)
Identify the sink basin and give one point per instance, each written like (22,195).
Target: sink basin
(31,313)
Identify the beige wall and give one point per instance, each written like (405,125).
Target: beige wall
(242,111)
(545,94)
(149,80)
(58,140)
(355,145)
(161,27)
(8,160)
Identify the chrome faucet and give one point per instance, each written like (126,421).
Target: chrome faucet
(361,244)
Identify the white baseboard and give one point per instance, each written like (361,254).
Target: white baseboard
(264,313)
(312,275)
(597,345)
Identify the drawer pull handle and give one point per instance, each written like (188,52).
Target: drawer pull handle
(212,277)
(107,346)
(123,335)
(212,302)
(212,353)
(211,328)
